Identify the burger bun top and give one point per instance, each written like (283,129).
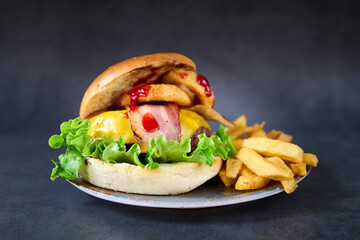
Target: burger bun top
(119,78)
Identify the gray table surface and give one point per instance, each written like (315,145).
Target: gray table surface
(293,64)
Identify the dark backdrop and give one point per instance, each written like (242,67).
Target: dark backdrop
(294,64)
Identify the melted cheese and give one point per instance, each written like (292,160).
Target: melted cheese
(190,122)
(115,124)
(111,124)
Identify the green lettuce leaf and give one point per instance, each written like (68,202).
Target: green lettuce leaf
(222,141)
(70,130)
(68,166)
(162,150)
(165,151)
(74,136)
(113,151)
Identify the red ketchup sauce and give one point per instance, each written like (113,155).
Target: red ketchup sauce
(147,77)
(204,82)
(183,75)
(149,123)
(133,108)
(126,115)
(135,93)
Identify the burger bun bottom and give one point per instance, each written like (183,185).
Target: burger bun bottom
(168,179)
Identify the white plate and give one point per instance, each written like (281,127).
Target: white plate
(211,194)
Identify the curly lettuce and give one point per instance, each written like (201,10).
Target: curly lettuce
(79,145)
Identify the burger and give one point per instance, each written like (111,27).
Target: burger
(142,129)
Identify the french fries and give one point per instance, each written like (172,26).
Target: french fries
(280,163)
(289,186)
(310,159)
(271,147)
(279,135)
(240,122)
(256,163)
(258,133)
(227,181)
(240,125)
(298,169)
(237,143)
(263,157)
(254,128)
(249,180)
(233,167)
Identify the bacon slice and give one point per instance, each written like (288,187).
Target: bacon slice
(166,116)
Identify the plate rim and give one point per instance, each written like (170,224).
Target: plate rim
(236,199)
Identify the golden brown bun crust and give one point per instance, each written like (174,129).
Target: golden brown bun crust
(169,178)
(119,78)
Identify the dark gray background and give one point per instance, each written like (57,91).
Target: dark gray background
(294,64)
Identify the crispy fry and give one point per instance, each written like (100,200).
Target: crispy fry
(289,186)
(249,180)
(256,163)
(233,167)
(254,127)
(298,169)
(262,156)
(245,171)
(258,133)
(285,137)
(279,135)
(237,143)
(273,134)
(227,181)
(280,163)
(310,159)
(238,132)
(240,124)
(241,121)
(247,183)
(274,148)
